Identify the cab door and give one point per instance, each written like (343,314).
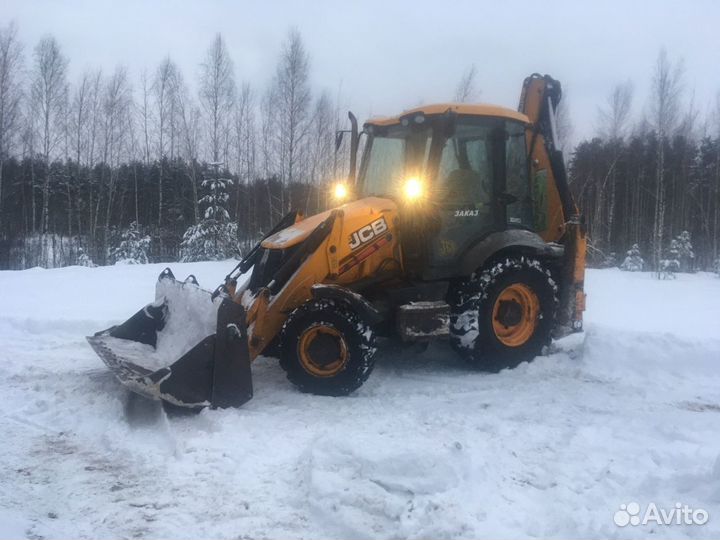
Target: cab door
(481,186)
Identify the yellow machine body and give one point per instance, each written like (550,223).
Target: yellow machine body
(360,245)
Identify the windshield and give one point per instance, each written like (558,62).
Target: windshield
(394,154)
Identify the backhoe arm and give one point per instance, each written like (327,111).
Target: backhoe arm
(539,100)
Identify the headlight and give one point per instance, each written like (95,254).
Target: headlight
(413,189)
(340,191)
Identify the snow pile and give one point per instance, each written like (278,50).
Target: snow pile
(427,448)
(387,491)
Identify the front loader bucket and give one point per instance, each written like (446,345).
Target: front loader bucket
(185,348)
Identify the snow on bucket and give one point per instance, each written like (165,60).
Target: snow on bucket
(186,348)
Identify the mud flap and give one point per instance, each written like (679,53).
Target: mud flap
(214,372)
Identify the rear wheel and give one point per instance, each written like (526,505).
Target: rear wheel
(327,348)
(503,315)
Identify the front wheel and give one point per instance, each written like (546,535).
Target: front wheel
(327,348)
(503,315)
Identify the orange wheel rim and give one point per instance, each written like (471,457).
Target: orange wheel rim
(515,315)
(322,351)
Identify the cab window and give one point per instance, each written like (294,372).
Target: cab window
(465,170)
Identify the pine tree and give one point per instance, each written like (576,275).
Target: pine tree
(83,259)
(133,247)
(610,261)
(670,265)
(633,262)
(716,266)
(214,238)
(686,255)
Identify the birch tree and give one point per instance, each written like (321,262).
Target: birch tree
(80,117)
(467,90)
(244,143)
(269,146)
(81,127)
(95,121)
(164,93)
(144,111)
(614,120)
(217,92)
(49,91)
(321,152)
(190,118)
(117,103)
(564,126)
(11,66)
(664,114)
(292,95)
(614,116)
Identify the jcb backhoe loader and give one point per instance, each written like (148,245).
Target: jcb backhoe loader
(459,224)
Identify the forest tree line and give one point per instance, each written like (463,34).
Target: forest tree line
(649,181)
(83,162)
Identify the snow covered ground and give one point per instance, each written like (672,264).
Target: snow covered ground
(426,449)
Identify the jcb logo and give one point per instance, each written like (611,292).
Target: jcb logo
(367,233)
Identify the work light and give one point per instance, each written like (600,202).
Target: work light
(413,189)
(340,191)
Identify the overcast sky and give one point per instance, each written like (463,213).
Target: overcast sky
(387,56)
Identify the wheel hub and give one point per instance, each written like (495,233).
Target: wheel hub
(509,313)
(322,351)
(515,315)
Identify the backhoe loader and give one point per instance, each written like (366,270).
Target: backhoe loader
(458,224)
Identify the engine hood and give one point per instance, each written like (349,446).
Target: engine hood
(299,231)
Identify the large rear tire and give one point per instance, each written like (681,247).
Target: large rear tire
(327,348)
(504,314)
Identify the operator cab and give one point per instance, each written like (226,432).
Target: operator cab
(460,172)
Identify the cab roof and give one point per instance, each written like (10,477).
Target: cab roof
(475,109)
